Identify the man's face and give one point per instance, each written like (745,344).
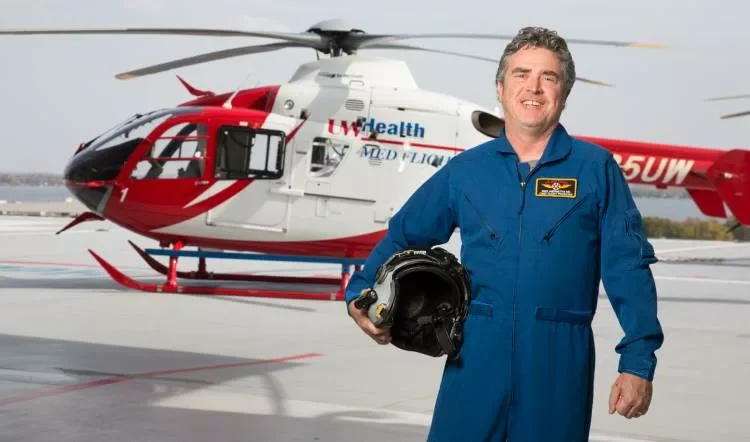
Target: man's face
(532,96)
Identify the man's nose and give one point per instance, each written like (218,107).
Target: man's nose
(535,85)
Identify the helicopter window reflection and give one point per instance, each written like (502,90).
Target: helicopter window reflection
(243,152)
(136,127)
(326,156)
(178,153)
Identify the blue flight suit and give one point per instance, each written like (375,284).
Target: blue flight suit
(535,243)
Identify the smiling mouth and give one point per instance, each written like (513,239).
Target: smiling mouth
(531,104)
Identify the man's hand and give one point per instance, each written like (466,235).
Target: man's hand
(381,335)
(630,396)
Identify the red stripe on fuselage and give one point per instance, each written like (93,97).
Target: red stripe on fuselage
(349,247)
(413,144)
(161,203)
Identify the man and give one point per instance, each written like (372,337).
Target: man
(542,218)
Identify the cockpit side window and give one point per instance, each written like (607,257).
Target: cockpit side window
(327,154)
(179,152)
(243,152)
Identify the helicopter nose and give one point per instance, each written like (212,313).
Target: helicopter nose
(90,175)
(85,182)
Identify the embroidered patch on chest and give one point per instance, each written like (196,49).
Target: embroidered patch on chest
(556,187)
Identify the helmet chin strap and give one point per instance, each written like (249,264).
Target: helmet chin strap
(443,334)
(445,329)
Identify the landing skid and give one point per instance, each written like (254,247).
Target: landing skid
(172,274)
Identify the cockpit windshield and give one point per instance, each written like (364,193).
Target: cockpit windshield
(137,127)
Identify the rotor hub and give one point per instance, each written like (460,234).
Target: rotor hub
(335,34)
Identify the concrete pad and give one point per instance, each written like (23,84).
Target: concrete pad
(85,359)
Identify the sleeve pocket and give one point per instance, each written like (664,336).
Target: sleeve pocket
(564,315)
(636,231)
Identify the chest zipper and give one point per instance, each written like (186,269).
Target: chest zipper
(554,228)
(522,182)
(493,235)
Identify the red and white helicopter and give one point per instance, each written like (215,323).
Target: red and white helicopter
(312,169)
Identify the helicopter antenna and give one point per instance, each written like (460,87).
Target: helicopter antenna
(228,104)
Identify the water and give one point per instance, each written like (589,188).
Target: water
(672,208)
(32,194)
(678,209)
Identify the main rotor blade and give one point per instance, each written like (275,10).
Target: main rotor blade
(301,37)
(362,41)
(206,57)
(728,97)
(417,48)
(460,54)
(735,115)
(594,82)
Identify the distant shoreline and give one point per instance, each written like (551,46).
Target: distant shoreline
(31,179)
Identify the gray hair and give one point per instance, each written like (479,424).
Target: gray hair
(536,37)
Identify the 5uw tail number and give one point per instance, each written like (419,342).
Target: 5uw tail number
(649,169)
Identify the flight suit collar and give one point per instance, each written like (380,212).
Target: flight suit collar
(558,146)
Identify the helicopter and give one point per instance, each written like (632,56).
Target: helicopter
(312,169)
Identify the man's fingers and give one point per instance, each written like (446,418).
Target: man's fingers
(640,408)
(381,335)
(614,396)
(630,396)
(625,405)
(375,331)
(382,340)
(356,313)
(634,411)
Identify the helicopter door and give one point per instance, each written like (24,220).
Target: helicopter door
(253,158)
(170,172)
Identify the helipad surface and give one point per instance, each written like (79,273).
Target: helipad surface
(83,359)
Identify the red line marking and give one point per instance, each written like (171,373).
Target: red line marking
(45,263)
(435,146)
(119,379)
(57,264)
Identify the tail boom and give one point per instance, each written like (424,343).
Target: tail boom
(713,178)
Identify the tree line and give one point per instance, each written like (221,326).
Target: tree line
(706,229)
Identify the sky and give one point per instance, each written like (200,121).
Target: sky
(60,90)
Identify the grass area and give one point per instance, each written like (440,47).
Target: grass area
(695,229)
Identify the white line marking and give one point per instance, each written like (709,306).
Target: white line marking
(594,437)
(238,402)
(708,280)
(714,247)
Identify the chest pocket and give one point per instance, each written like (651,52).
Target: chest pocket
(570,218)
(477,224)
